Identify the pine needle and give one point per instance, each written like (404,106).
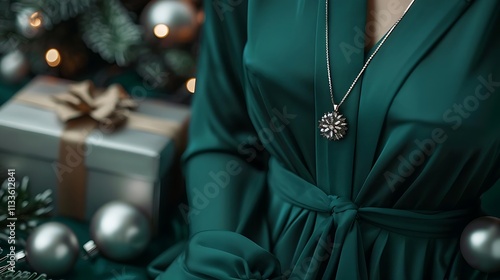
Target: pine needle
(109,31)
(28,209)
(22,275)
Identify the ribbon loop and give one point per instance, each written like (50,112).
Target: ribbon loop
(110,107)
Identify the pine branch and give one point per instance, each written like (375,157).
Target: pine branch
(109,31)
(22,275)
(28,209)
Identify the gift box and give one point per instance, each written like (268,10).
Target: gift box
(92,146)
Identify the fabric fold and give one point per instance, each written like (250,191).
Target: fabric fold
(223,255)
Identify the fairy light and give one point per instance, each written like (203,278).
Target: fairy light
(191,85)
(161,30)
(35,19)
(53,57)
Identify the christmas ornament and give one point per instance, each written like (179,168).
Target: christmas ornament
(169,22)
(119,231)
(52,248)
(29,22)
(14,67)
(480,244)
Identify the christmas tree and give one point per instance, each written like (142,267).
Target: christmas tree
(72,38)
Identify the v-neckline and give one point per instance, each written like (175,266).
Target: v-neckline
(340,174)
(370,50)
(400,54)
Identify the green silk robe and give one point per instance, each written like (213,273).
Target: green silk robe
(272,199)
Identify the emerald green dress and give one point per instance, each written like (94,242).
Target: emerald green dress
(269,198)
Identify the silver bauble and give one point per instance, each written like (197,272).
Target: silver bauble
(52,248)
(13,67)
(29,22)
(480,244)
(178,16)
(120,231)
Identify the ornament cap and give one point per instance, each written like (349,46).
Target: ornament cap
(90,250)
(20,256)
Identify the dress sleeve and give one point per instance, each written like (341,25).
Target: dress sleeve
(224,184)
(225,173)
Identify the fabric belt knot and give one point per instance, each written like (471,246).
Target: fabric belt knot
(340,204)
(342,209)
(336,242)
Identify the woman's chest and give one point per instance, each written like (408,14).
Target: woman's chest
(421,77)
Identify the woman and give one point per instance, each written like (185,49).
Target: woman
(271,198)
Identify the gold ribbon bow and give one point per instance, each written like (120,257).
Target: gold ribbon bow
(110,107)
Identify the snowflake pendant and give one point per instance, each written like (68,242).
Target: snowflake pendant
(333,126)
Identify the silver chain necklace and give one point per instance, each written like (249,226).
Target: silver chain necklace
(333,125)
